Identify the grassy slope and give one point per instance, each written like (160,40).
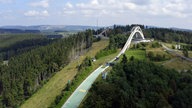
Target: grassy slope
(47,94)
(174,63)
(179,64)
(179,51)
(190,54)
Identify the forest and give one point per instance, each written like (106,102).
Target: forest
(169,35)
(5,31)
(22,46)
(141,84)
(27,72)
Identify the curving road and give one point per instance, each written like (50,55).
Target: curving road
(174,52)
(76,98)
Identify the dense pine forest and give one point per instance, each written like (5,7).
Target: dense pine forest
(169,35)
(9,39)
(27,72)
(141,84)
(23,46)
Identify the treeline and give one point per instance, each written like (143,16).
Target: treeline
(2,31)
(27,72)
(125,29)
(10,39)
(21,47)
(163,34)
(168,35)
(115,42)
(188,47)
(118,29)
(141,84)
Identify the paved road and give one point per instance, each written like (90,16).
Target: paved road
(174,52)
(78,95)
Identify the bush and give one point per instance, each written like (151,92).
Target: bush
(156,57)
(105,52)
(86,63)
(155,45)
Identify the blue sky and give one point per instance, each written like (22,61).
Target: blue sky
(163,13)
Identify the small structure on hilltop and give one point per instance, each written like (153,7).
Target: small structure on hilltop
(93,59)
(178,46)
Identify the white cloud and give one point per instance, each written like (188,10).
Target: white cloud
(42,3)
(68,12)
(34,13)
(130,6)
(173,8)
(176,9)
(94,2)
(154,12)
(87,13)
(68,9)
(68,5)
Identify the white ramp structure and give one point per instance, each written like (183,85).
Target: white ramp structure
(103,34)
(76,98)
(135,31)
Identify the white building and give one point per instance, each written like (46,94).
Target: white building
(177,46)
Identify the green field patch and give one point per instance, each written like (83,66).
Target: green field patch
(179,64)
(138,54)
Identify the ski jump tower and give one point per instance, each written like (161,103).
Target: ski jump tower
(134,31)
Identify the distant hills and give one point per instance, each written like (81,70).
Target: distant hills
(180,29)
(59,28)
(4,31)
(172,28)
(51,27)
